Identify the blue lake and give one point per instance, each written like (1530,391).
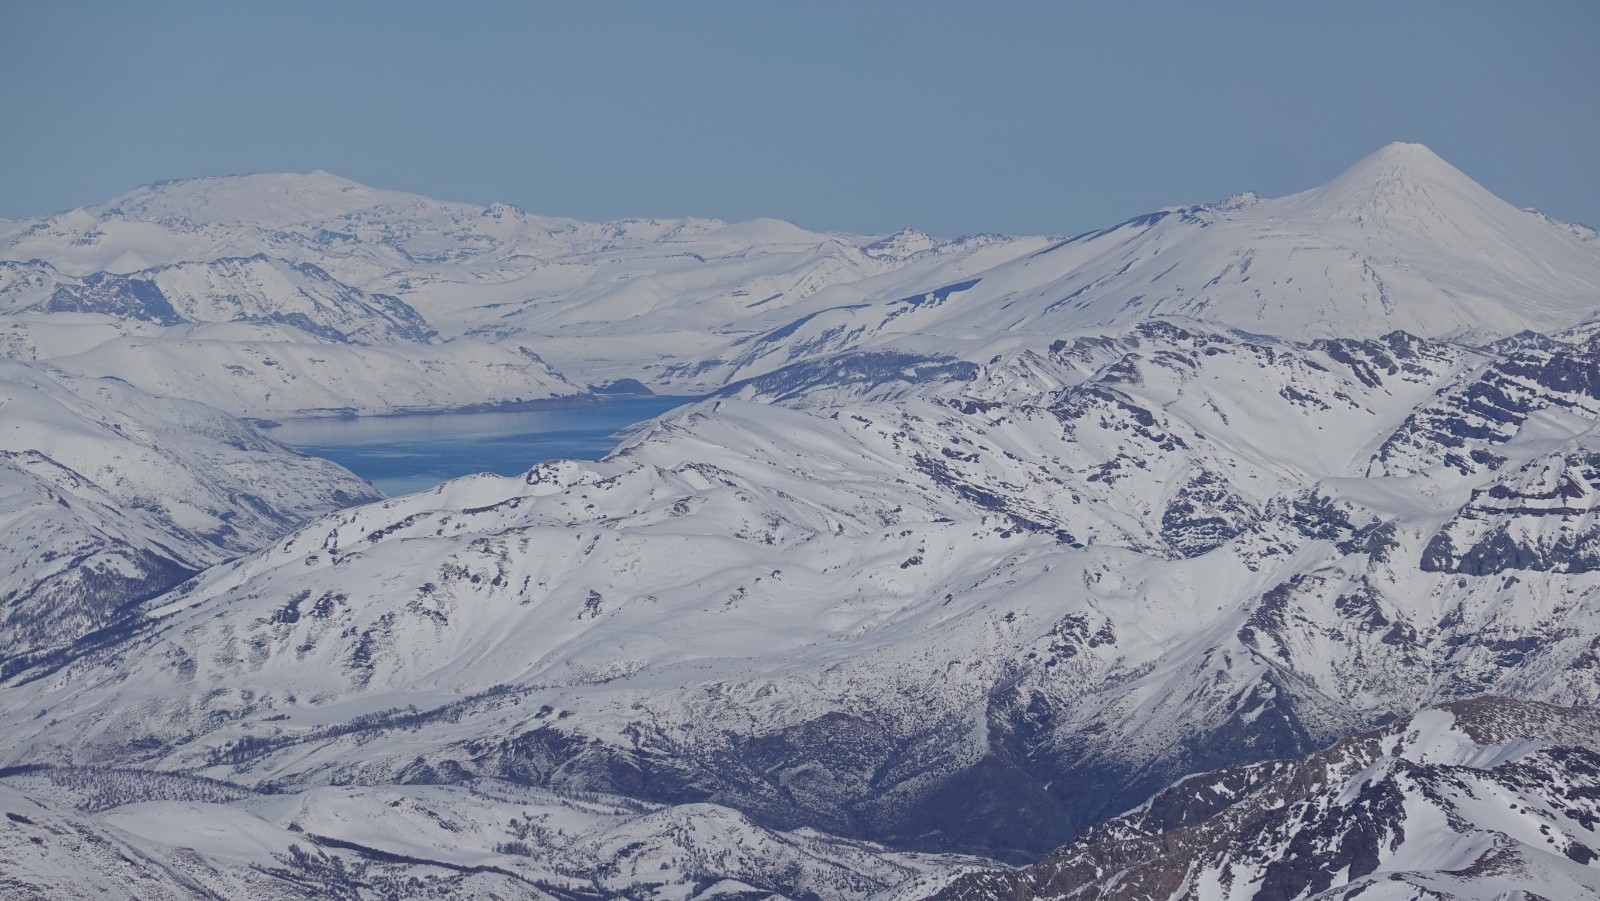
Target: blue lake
(402,454)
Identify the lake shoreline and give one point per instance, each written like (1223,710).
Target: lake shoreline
(404,452)
(538,404)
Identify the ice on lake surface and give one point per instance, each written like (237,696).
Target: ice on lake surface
(402,454)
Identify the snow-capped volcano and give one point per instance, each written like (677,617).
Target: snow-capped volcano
(1401,187)
(1407,208)
(1400,241)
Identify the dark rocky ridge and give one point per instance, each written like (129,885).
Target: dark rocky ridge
(1297,828)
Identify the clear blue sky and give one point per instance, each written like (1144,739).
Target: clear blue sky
(865,116)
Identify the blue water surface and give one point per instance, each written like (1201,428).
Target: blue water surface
(402,454)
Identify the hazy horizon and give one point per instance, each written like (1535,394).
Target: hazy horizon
(1032,118)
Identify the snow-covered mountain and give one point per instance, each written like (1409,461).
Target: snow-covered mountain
(74,833)
(600,301)
(1401,241)
(1053,584)
(258,337)
(1484,799)
(977,545)
(109,495)
(362,231)
(253,289)
(270,372)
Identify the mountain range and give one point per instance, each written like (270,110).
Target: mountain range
(1240,550)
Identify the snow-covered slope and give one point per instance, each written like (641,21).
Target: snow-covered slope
(254,289)
(1484,799)
(262,371)
(283,215)
(258,337)
(109,495)
(52,853)
(134,834)
(1401,241)
(1051,584)
(340,262)
(663,313)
